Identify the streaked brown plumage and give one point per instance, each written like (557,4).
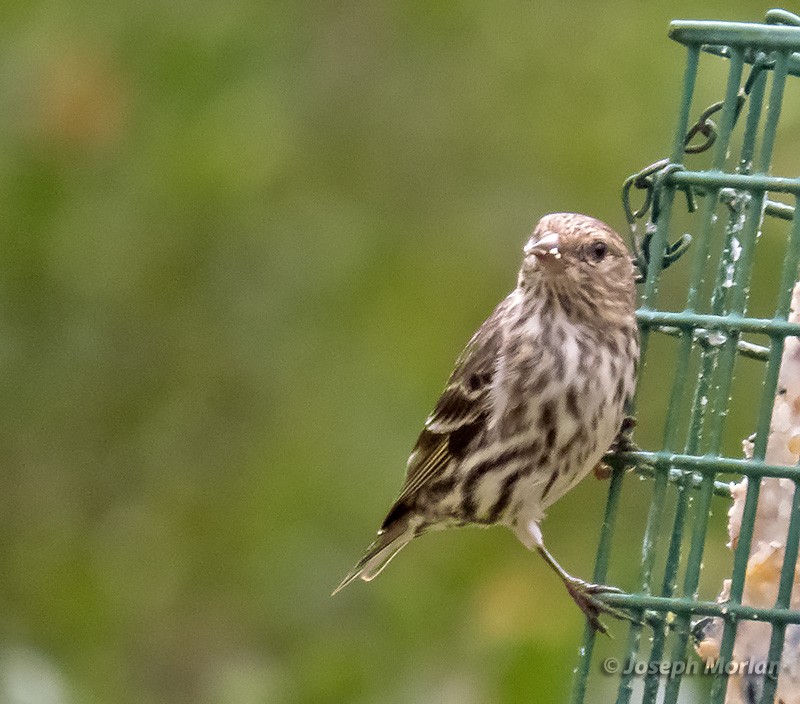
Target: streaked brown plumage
(535,400)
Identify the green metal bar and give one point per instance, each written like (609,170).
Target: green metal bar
(773,208)
(788,279)
(720,179)
(704,339)
(690,583)
(784,597)
(729,260)
(727,264)
(657,246)
(735,34)
(789,276)
(674,408)
(751,56)
(729,109)
(701,248)
(719,362)
(756,101)
(689,320)
(659,240)
(717,334)
(654,519)
(691,479)
(668,585)
(682,123)
(599,577)
(720,404)
(702,242)
(779,210)
(773,114)
(782,17)
(738,612)
(710,465)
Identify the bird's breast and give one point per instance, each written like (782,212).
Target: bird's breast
(559,402)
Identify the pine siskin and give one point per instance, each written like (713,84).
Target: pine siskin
(536,399)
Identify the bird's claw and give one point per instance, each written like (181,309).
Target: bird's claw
(622,444)
(584,595)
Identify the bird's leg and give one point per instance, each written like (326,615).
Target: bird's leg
(583,593)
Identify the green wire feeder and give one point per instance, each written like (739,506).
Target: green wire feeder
(726,203)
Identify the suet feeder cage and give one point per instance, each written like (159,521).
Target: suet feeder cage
(718,181)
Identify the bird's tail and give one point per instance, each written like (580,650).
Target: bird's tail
(389,542)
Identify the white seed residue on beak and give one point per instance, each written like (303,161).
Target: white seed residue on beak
(547,244)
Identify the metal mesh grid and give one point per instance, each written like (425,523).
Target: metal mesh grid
(710,331)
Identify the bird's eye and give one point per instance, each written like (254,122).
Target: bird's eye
(597,251)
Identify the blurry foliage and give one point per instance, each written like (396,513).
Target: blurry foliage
(242,244)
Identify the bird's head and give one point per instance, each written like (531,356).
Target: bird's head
(582,263)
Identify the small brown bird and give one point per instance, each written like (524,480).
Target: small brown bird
(535,400)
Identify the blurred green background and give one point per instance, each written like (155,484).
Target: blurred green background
(242,244)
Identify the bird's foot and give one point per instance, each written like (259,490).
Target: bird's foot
(584,594)
(623,442)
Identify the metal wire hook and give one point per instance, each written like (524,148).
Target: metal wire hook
(707,127)
(642,181)
(704,126)
(658,186)
(652,180)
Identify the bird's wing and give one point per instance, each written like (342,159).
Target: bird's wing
(462,409)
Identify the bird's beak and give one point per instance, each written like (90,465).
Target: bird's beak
(545,248)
